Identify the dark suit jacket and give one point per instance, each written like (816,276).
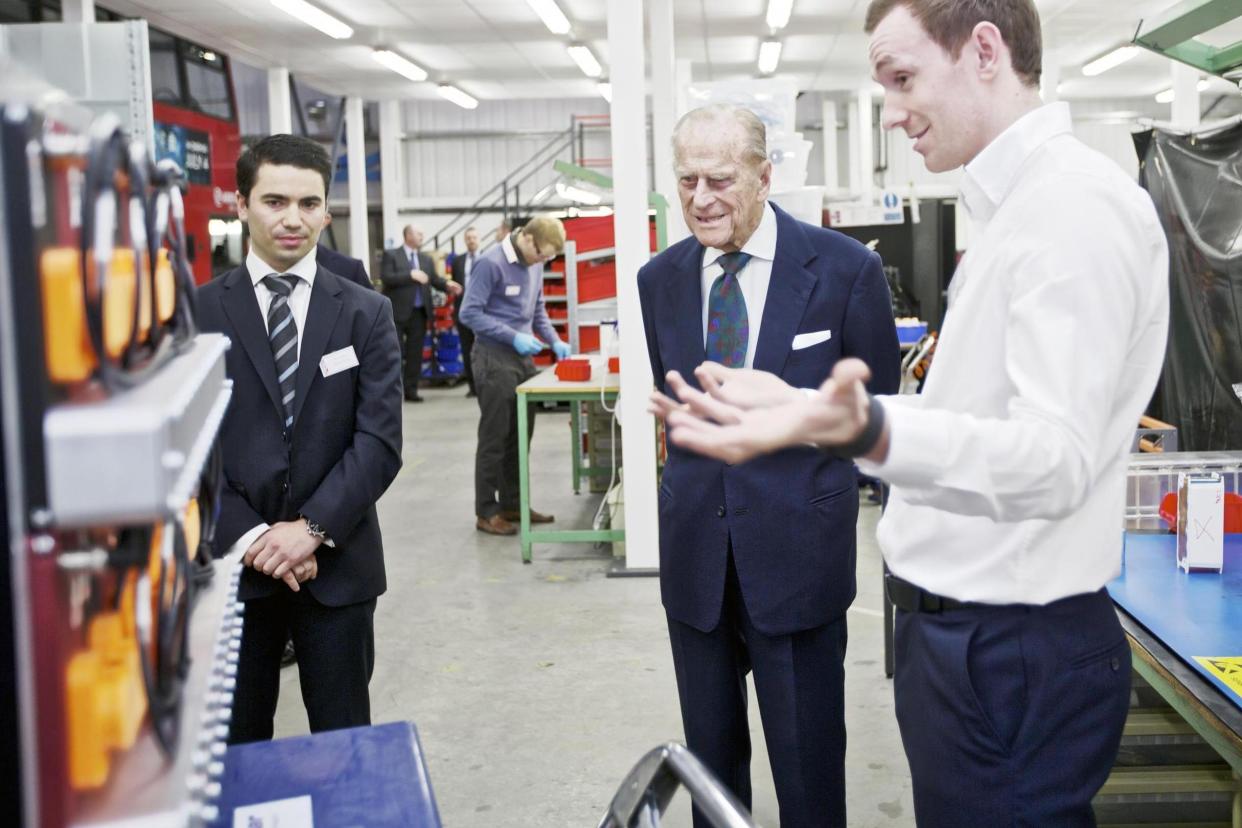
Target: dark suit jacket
(342,265)
(345,445)
(790,516)
(395,274)
(460,277)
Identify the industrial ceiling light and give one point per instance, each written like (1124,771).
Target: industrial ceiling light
(1167,95)
(604,88)
(769,56)
(551,15)
(399,64)
(577,194)
(455,95)
(585,60)
(313,16)
(778,13)
(1111,60)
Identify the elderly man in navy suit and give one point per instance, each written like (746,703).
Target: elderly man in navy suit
(311,440)
(757,560)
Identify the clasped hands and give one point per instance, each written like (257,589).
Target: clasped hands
(742,413)
(286,551)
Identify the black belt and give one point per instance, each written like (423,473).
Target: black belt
(908,597)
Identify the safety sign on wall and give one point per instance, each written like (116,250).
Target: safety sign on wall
(859,214)
(1228,669)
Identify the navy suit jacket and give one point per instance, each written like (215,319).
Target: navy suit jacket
(395,276)
(342,265)
(345,445)
(790,516)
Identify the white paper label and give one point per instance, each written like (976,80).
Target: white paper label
(338,361)
(279,813)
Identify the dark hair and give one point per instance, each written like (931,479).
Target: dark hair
(284,150)
(950,23)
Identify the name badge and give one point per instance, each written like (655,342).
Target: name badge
(512,290)
(338,361)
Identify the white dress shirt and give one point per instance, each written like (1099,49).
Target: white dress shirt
(1008,472)
(299,299)
(299,303)
(754,278)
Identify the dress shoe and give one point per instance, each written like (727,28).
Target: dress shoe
(495,525)
(414,398)
(535,517)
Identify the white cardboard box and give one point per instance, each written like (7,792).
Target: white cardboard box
(1200,521)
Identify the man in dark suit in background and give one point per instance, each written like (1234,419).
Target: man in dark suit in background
(315,378)
(342,265)
(757,560)
(463,263)
(408,276)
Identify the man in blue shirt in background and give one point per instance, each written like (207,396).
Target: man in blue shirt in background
(504,307)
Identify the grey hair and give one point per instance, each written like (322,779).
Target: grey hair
(754,148)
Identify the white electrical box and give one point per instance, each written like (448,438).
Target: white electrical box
(1200,521)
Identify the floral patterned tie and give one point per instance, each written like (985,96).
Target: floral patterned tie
(728,329)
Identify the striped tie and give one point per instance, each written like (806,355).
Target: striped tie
(283,335)
(728,328)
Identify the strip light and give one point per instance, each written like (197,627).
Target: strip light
(1111,60)
(399,64)
(769,56)
(455,95)
(778,13)
(551,15)
(577,194)
(316,17)
(585,60)
(1167,95)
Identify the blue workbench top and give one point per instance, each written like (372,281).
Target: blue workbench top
(373,776)
(1196,615)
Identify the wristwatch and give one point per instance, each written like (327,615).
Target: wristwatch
(314,529)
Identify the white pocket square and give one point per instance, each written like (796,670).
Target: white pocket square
(806,340)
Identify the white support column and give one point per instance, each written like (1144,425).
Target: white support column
(663,112)
(1050,78)
(1185,96)
(392,169)
(683,77)
(356,148)
(78,11)
(279,109)
(629,172)
(832,178)
(863,156)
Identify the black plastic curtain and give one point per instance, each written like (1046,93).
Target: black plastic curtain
(1196,184)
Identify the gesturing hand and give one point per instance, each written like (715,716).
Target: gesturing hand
(419,276)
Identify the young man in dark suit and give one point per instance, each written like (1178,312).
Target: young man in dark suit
(311,440)
(757,560)
(463,264)
(408,275)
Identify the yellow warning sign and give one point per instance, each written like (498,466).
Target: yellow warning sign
(1226,668)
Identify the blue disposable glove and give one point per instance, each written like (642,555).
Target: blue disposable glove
(561,349)
(527,345)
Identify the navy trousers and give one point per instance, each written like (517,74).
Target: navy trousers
(335,647)
(800,684)
(1011,715)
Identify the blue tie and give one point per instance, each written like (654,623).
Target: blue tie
(728,329)
(418,289)
(282,332)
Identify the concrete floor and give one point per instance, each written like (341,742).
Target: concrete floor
(536,688)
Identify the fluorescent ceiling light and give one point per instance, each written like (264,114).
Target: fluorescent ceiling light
(581,196)
(312,16)
(1110,61)
(399,64)
(585,60)
(778,13)
(1167,95)
(455,95)
(769,56)
(604,88)
(551,15)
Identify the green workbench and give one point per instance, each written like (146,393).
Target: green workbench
(546,387)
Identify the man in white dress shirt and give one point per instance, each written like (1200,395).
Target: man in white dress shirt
(1008,472)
